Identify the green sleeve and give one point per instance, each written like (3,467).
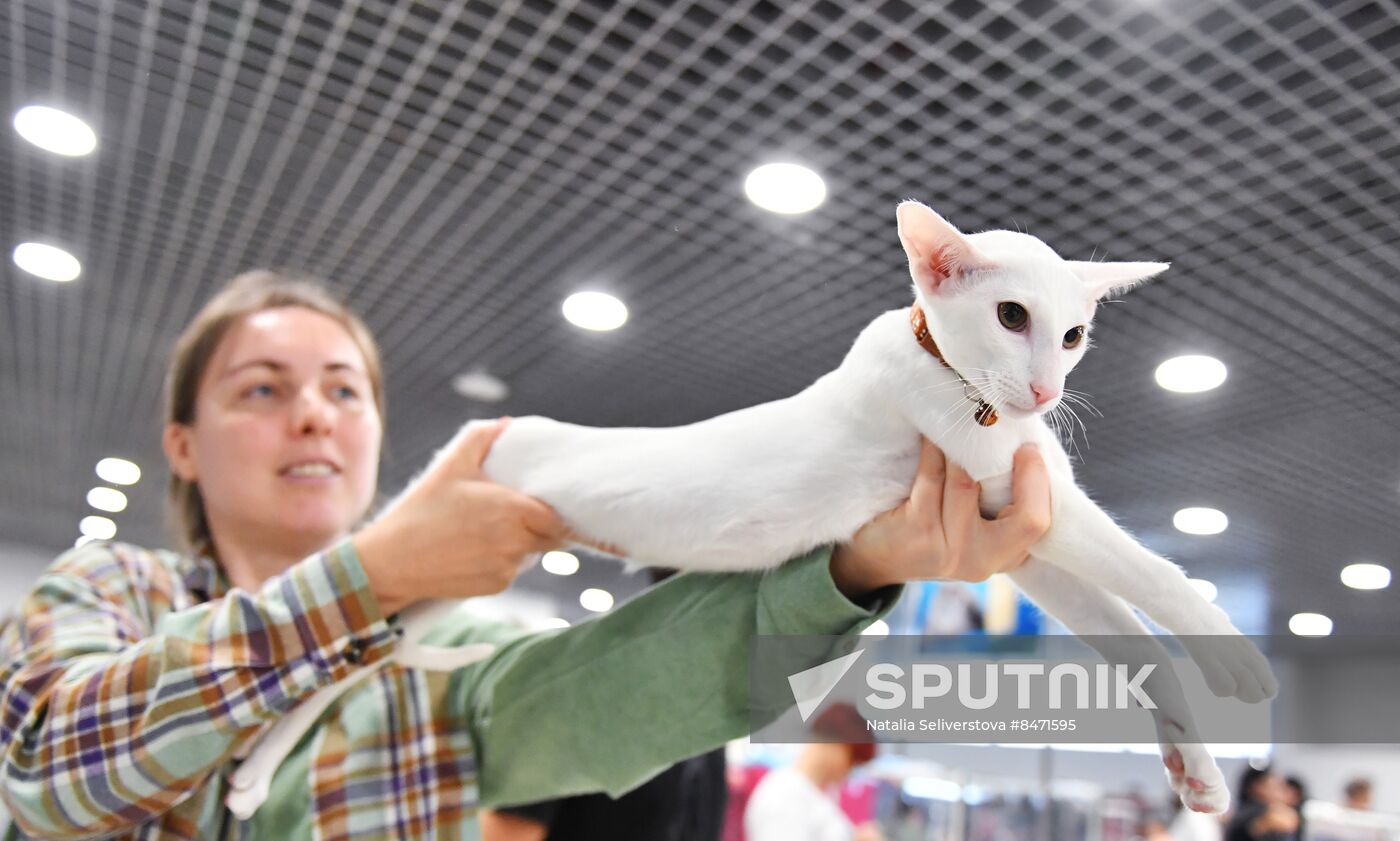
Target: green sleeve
(608,703)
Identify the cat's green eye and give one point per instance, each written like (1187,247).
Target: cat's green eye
(1073,337)
(1013,316)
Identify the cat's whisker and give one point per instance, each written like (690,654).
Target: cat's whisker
(941,387)
(1057,421)
(965,427)
(1078,400)
(959,380)
(1062,420)
(1082,428)
(980,385)
(945,416)
(952,411)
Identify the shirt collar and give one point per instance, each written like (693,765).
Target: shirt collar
(204,578)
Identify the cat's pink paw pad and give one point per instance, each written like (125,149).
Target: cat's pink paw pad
(1199,796)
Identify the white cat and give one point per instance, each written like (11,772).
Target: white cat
(999,319)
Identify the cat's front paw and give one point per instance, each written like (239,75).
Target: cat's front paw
(1233,666)
(1195,778)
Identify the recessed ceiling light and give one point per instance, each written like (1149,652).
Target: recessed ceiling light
(1366,576)
(1200,521)
(596,600)
(1191,373)
(1310,625)
(560,563)
(552,622)
(107,499)
(479,385)
(1204,587)
(55,131)
(118,471)
(98,528)
(83,539)
(46,261)
(595,311)
(785,188)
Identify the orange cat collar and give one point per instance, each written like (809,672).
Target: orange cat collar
(986,414)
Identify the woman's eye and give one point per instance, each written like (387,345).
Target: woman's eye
(1073,337)
(1013,316)
(345,392)
(259,390)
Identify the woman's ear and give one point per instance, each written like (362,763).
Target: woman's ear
(178,451)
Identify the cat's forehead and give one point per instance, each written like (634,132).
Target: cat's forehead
(1038,279)
(1038,285)
(1011,246)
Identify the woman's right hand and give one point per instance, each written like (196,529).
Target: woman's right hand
(454,533)
(939,531)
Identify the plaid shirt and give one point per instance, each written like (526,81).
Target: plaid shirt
(131,678)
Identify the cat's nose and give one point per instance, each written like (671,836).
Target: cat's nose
(1044,394)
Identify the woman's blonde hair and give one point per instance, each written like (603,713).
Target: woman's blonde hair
(249,293)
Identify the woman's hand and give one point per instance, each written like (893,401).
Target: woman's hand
(939,532)
(455,534)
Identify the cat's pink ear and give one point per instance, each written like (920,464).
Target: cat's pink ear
(1107,278)
(937,251)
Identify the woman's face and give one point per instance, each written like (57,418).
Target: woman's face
(1270,789)
(285,442)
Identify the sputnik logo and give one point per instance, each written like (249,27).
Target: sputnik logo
(810,687)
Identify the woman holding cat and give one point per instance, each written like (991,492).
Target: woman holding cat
(133,680)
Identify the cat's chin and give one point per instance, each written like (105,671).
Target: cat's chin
(1019,413)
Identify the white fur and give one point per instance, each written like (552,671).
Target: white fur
(754,487)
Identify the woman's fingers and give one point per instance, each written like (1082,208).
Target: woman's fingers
(571,536)
(926,496)
(940,531)
(1019,525)
(542,520)
(1027,518)
(476,444)
(961,501)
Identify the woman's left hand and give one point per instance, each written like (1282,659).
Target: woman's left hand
(939,531)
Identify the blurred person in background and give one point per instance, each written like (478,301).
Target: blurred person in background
(1153,828)
(1262,812)
(683,803)
(910,821)
(800,802)
(1296,795)
(1296,790)
(1358,795)
(1190,825)
(686,802)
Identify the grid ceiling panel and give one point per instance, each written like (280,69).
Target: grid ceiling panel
(457,168)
